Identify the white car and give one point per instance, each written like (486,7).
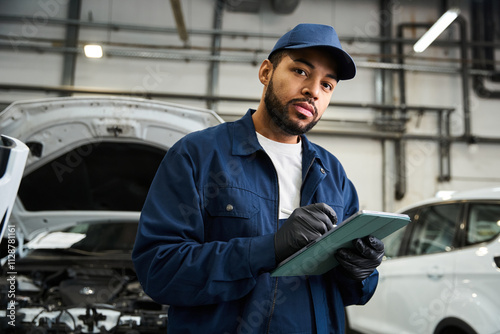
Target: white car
(13,154)
(441,273)
(90,165)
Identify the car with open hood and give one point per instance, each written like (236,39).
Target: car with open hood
(91,161)
(13,154)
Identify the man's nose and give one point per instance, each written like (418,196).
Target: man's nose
(311,89)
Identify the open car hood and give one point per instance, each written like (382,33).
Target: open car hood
(92,158)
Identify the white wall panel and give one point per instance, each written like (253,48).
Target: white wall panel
(362,160)
(472,166)
(31,68)
(142,75)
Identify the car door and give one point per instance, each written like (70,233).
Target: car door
(419,284)
(476,300)
(416,279)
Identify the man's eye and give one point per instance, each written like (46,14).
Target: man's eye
(299,71)
(328,86)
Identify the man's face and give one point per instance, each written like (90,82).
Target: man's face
(300,89)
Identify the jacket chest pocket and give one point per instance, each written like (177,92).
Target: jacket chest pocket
(230,214)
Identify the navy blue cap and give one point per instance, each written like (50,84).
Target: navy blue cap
(307,35)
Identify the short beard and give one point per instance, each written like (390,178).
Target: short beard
(280,116)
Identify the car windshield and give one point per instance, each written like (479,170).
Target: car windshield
(106,237)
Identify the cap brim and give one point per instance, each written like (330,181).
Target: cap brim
(346,68)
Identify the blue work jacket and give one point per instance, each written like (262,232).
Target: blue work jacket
(205,243)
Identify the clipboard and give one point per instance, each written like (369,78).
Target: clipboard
(318,257)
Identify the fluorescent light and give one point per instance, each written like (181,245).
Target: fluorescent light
(92,51)
(437,28)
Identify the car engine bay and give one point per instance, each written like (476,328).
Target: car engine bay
(84,296)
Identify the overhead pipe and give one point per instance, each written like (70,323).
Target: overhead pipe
(465,76)
(252,59)
(444,117)
(384,80)
(384,87)
(71,41)
(400,145)
(151,95)
(213,73)
(140,28)
(445,148)
(84,90)
(225,33)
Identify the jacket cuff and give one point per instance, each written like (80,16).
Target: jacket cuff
(262,257)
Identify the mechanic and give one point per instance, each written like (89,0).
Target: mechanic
(215,221)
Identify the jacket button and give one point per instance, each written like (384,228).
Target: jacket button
(323,170)
(229,207)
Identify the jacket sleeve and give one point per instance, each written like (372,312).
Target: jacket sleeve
(354,292)
(173,262)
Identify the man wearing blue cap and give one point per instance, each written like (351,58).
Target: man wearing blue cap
(231,202)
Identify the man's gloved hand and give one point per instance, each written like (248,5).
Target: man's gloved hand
(361,261)
(303,226)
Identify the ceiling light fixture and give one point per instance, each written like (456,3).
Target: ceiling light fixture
(93,51)
(437,28)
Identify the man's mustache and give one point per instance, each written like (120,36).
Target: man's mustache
(309,101)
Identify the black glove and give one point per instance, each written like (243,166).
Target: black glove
(361,261)
(303,226)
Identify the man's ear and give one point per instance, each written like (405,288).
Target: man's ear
(265,72)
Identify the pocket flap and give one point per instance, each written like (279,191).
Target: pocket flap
(232,202)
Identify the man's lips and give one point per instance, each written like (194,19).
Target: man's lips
(304,108)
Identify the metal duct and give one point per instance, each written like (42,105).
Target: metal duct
(71,41)
(483,30)
(284,6)
(213,73)
(243,6)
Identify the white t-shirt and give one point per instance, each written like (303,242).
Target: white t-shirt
(287,160)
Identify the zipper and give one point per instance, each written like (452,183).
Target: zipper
(277,227)
(271,312)
(272,307)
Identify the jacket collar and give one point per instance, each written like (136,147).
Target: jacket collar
(244,138)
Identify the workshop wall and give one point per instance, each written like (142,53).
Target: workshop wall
(147,62)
